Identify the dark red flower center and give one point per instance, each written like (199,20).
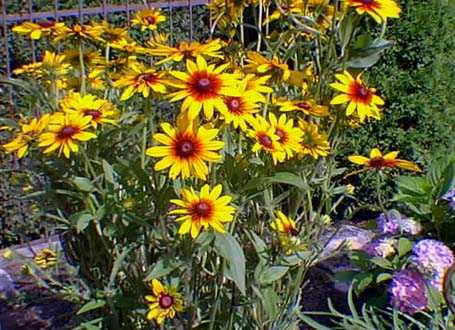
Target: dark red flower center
(149,77)
(304,106)
(151,20)
(67,132)
(185,148)
(30,133)
(233,104)
(166,301)
(94,113)
(363,92)
(282,134)
(265,140)
(203,85)
(202,209)
(377,162)
(367,2)
(46,24)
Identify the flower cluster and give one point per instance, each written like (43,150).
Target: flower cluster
(433,258)
(394,223)
(408,291)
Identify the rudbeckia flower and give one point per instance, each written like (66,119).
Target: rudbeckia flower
(140,80)
(186,149)
(284,224)
(46,258)
(148,19)
(204,86)
(64,131)
(378,161)
(380,10)
(361,98)
(78,33)
(164,303)
(309,107)
(265,138)
(259,64)
(314,143)
(202,211)
(185,50)
(39,29)
(29,133)
(290,137)
(101,111)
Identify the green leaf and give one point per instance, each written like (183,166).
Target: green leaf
(270,302)
(273,274)
(413,185)
(345,275)
(404,246)
(382,262)
(83,184)
(162,268)
(288,178)
(82,220)
(117,264)
(109,173)
(383,277)
(91,305)
(228,247)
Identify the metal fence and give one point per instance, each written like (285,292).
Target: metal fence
(14,12)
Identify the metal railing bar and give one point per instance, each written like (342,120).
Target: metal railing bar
(95,10)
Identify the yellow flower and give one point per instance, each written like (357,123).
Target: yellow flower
(148,19)
(128,46)
(46,258)
(64,131)
(140,80)
(187,50)
(203,211)
(265,138)
(113,34)
(91,57)
(39,29)
(378,161)
(241,108)
(284,225)
(28,134)
(90,105)
(32,70)
(314,144)
(380,10)
(77,33)
(309,107)
(359,96)
(186,149)
(259,64)
(204,86)
(164,303)
(256,86)
(290,137)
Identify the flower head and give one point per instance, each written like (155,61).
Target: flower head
(314,143)
(63,132)
(28,134)
(186,149)
(378,161)
(78,33)
(185,51)
(434,259)
(164,303)
(140,80)
(408,291)
(265,138)
(203,86)
(46,258)
(360,97)
(261,65)
(308,107)
(202,211)
(39,29)
(380,10)
(148,19)
(283,224)
(100,111)
(394,223)
(383,247)
(290,137)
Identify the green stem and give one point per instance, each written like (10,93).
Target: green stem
(378,193)
(82,68)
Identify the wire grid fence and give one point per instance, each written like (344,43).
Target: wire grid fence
(14,12)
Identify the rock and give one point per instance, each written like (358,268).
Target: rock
(7,286)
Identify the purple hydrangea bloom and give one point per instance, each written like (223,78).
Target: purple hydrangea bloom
(450,196)
(395,222)
(434,258)
(408,292)
(382,247)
